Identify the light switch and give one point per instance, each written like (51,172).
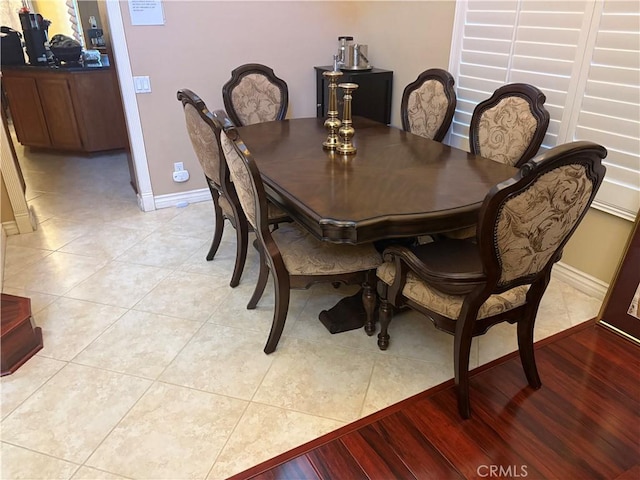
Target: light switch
(142,84)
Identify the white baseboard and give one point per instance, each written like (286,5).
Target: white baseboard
(175,199)
(10,228)
(146,202)
(580,281)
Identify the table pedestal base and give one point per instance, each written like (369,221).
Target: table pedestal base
(347,314)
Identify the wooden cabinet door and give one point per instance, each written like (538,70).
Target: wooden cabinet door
(99,110)
(55,96)
(26,111)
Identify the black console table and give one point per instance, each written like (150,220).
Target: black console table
(372,99)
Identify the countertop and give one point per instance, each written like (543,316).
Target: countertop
(55,68)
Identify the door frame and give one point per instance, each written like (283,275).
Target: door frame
(146,200)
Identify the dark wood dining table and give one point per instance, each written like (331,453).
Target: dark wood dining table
(396,185)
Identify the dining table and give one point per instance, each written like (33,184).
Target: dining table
(397,185)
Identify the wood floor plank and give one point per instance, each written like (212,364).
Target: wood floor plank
(605,404)
(611,397)
(295,469)
(333,461)
(406,452)
(632,474)
(599,358)
(470,444)
(378,460)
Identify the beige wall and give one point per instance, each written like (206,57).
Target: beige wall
(597,246)
(202,42)
(6,211)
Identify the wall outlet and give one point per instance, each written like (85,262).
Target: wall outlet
(178,167)
(181,176)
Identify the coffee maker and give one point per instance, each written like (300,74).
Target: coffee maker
(34,29)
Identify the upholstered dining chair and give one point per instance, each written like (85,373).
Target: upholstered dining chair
(428,104)
(294,257)
(510,125)
(466,287)
(255,94)
(204,128)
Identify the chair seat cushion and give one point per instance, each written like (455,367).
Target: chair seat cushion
(303,254)
(276,214)
(450,305)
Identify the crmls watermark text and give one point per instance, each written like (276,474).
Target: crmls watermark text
(498,471)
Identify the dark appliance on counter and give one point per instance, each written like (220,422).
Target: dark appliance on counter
(34,28)
(11,52)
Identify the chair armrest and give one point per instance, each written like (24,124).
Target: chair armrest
(451,266)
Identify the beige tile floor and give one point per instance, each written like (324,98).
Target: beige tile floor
(153,368)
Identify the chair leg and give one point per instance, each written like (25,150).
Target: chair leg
(527,353)
(282,292)
(261,284)
(462,352)
(385,312)
(369,299)
(242,240)
(217,234)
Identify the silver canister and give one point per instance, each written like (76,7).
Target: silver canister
(360,56)
(357,57)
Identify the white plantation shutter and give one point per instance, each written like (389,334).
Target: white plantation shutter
(609,112)
(583,55)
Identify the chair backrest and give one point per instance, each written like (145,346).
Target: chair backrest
(204,133)
(509,126)
(254,94)
(525,221)
(428,104)
(247,182)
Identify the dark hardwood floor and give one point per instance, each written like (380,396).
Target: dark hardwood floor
(582,424)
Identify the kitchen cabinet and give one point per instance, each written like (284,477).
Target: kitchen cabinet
(372,98)
(66,109)
(29,121)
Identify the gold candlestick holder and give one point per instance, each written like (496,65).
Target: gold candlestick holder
(346,131)
(332,123)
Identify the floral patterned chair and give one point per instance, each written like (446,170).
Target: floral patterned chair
(509,126)
(295,258)
(428,104)
(466,287)
(204,128)
(254,94)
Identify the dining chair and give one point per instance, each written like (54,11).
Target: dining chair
(204,129)
(255,94)
(295,258)
(466,287)
(428,104)
(510,125)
